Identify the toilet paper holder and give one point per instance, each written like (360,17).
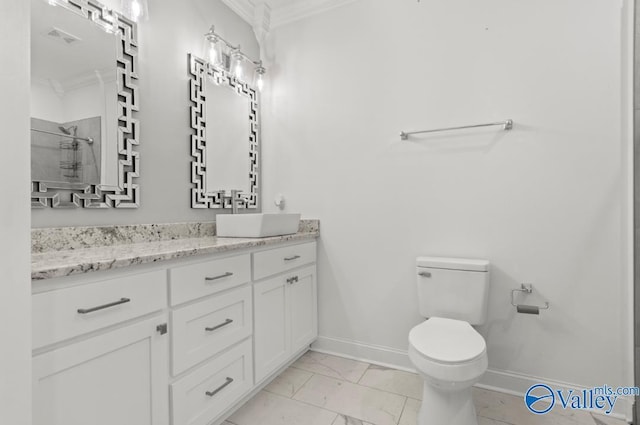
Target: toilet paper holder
(527,288)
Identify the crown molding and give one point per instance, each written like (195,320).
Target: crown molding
(298,10)
(243,8)
(290,12)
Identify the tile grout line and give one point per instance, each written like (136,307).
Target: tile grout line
(388,392)
(344,414)
(379,389)
(340,376)
(404,406)
(364,373)
(292,399)
(360,385)
(302,386)
(495,420)
(324,408)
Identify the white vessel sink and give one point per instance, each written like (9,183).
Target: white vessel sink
(256,225)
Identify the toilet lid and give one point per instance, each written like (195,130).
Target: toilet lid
(447,340)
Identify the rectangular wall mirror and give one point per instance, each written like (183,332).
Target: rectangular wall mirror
(83,98)
(224,142)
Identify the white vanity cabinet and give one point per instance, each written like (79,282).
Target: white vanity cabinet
(285,307)
(176,344)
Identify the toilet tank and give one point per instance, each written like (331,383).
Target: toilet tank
(453,288)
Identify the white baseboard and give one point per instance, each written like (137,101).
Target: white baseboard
(376,354)
(496,380)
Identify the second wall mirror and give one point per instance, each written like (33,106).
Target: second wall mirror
(225,137)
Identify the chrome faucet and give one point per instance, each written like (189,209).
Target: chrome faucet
(234,198)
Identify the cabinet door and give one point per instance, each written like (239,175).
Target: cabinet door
(271,326)
(119,377)
(303,307)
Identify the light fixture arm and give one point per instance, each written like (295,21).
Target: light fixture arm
(213,37)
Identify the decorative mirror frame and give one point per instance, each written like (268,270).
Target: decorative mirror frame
(127,193)
(199,71)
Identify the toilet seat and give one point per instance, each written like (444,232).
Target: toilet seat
(447,341)
(448,353)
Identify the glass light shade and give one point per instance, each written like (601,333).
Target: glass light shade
(236,65)
(258,79)
(215,52)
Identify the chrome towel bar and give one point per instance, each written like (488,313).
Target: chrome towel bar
(506,125)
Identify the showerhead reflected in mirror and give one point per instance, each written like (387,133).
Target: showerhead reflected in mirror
(82,99)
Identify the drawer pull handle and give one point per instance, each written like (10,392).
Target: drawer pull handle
(220,388)
(424,274)
(100,307)
(227,274)
(225,323)
(292,280)
(295,257)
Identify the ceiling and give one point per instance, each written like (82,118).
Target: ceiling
(68,63)
(283,11)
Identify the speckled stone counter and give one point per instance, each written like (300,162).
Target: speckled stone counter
(75,250)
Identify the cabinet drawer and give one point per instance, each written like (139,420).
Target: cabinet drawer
(205,393)
(198,280)
(65,313)
(210,326)
(267,263)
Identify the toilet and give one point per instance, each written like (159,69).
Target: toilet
(448,353)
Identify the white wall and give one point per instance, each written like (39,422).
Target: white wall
(174,29)
(15,290)
(45,103)
(543,202)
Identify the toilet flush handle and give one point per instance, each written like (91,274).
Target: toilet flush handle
(424,274)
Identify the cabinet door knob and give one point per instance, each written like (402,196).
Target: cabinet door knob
(220,388)
(101,307)
(225,323)
(227,274)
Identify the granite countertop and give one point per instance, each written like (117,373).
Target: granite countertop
(124,246)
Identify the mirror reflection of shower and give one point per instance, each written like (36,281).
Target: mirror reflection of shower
(74,163)
(66,152)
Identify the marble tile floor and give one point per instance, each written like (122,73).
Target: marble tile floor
(320,389)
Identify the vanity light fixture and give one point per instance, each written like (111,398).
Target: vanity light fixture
(234,60)
(136,10)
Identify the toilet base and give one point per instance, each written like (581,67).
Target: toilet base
(440,406)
